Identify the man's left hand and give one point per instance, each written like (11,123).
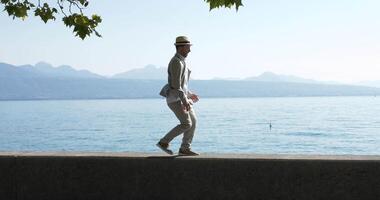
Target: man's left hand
(194,98)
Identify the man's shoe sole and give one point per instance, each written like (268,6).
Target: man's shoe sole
(183,154)
(168,151)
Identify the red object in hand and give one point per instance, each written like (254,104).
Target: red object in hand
(194,98)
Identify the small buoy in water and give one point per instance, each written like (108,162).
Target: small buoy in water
(270,125)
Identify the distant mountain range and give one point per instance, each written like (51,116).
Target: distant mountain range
(272,77)
(369,83)
(43,69)
(43,81)
(150,72)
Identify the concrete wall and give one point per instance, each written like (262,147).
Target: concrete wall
(71,176)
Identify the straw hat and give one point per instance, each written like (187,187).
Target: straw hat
(182,40)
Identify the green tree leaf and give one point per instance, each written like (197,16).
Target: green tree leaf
(83,26)
(224,3)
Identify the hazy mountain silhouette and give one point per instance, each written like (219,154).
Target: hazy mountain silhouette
(272,77)
(43,81)
(11,71)
(375,83)
(149,72)
(64,71)
(43,69)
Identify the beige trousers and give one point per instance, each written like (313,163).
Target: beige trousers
(187,125)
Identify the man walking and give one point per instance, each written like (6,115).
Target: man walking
(180,99)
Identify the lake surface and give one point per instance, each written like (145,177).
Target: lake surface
(300,125)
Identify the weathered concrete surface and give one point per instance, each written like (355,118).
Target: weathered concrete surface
(111,176)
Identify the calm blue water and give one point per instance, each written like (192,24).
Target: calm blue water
(311,125)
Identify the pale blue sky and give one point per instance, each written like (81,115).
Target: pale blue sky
(322,39)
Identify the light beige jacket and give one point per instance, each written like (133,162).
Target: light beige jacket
(178,78)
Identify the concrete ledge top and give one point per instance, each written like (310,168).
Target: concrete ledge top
(202,156)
